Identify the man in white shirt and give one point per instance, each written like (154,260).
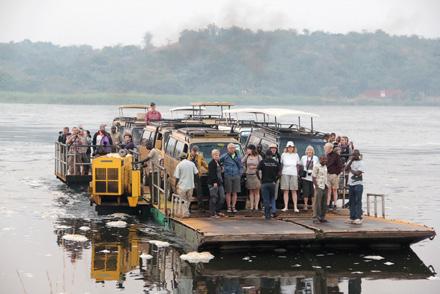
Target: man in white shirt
(184,175)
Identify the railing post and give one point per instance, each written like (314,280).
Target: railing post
(375,205)
(368,204)
(383,206)
(165,192)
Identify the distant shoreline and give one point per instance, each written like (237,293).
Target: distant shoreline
(179,100)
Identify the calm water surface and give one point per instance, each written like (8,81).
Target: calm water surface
(401,149)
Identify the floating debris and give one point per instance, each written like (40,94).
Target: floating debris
(374,257)
(159,243)
(75,238)
(388,263)
(116,224)
(84,228)
(320,254)
(296,265)
(357,273)
(197,257)
(246,258)
(146,256)
(375,271)
(316,266)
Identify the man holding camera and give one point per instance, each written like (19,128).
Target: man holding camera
(355,168)
(74,159)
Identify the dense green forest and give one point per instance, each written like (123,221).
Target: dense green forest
(214,61)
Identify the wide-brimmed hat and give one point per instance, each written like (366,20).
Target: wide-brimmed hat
(290,144)
(183,155)
(273,145)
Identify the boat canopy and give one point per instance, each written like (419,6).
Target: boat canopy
(218,104)
(185,108)
(132,106)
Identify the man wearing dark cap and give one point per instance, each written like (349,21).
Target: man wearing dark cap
(152,114)
(270,172)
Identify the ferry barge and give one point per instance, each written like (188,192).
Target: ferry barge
(118,182)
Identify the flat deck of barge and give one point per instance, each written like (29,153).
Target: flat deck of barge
(296,230)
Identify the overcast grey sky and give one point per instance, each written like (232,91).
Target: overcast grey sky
(109,22)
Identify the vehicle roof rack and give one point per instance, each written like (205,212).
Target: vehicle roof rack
(206,132)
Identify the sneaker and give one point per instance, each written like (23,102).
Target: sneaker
(229,209)
(357,221)
(284,209)
(234,210)
(348,221)
(296,210)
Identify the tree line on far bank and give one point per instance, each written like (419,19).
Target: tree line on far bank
(231,61)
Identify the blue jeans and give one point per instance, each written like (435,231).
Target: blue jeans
(268,191)
(355,196)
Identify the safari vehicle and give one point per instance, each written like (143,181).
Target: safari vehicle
(133,123)
(207,139)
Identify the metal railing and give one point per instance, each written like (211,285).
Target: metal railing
(171,205)
(375,196)
(70,161)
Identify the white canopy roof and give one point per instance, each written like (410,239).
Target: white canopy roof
(186,108)
(276,112)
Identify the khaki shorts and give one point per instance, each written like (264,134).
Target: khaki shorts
(333,181)
(289,182)
(186,194)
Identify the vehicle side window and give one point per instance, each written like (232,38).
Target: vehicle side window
(170,146)
(265,144)
(146,136)
(179,149)
(253,140)
(153,134)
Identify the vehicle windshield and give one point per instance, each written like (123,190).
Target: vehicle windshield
(302,143)
(206,148)
(137,135)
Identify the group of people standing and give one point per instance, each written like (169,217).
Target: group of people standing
(80,146)
(267,172)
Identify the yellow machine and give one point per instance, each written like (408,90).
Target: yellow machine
(115,180)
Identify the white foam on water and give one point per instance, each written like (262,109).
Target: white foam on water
(388,263)
(116,224)
(358,273)
(374,257)
(316,266)
(119,215)
(320,254)
(146,256)
(159,244)
(282,256)
(197,257)
(62,227)
(84,228)
(280,250)
(296,265)
(75,238)
(246,258)
(375,271)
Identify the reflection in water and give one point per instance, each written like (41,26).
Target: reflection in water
(118,255)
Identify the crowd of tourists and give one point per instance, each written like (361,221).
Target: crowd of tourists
(79,146)
(316,179)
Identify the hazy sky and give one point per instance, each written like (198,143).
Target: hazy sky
(109,22)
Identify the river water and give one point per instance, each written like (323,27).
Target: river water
(401,150)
